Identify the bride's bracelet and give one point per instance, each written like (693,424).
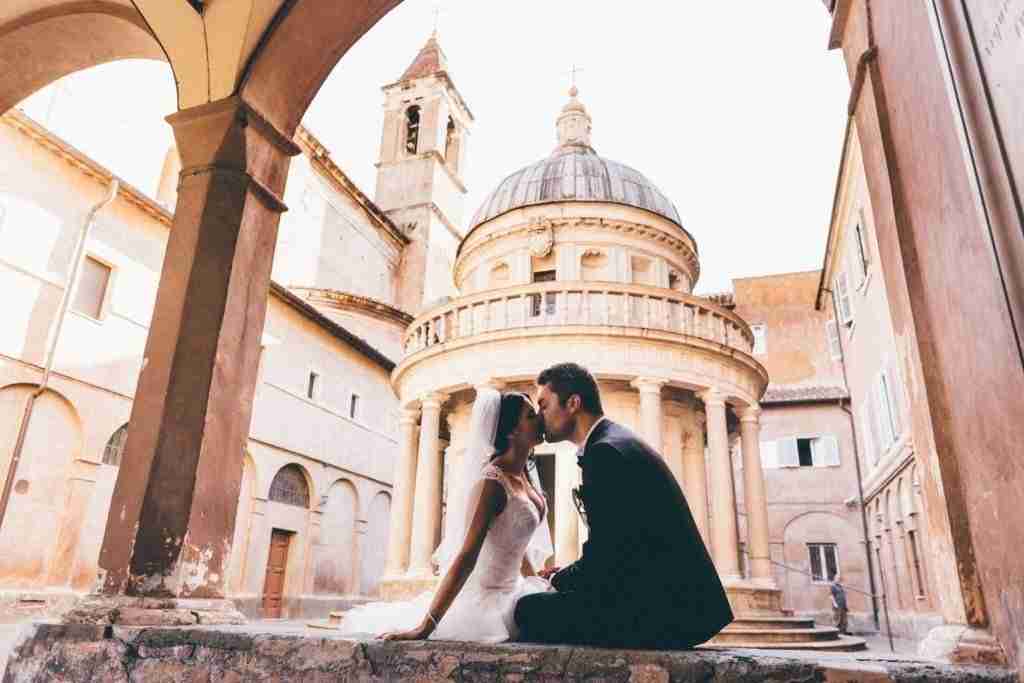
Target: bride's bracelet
(432,619)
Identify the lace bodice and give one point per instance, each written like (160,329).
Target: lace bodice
(501,557)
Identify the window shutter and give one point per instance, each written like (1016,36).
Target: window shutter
(769,455)
(895,386)
(788,454)
(881,409)
(832,333)
(860,254)
(825,451)
(843,299)
(868,439)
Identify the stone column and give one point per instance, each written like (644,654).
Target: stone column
(426,526)
(567,519)
(723,497)
(650,410)
(400,533)
(695,474)
(754,496)
(172,514)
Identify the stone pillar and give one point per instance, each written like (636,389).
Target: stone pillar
(567,519)
(400,534)
(426,526)
(723,497)
(695,474)
(754,496)
(650,410)
(172,514)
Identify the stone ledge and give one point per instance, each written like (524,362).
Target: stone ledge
(56,652)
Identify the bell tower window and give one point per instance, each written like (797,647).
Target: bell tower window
(412,129)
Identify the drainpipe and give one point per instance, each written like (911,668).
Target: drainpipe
(856,462)
(65,301)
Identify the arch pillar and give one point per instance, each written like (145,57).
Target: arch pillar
(650,409)
(400,534)
(755,498)
(172,517)
(724,544)
(427,521)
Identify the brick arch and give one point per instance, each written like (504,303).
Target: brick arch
(59,39)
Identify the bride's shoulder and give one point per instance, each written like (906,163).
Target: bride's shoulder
(493,472)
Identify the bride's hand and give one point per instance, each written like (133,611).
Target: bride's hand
(419,633)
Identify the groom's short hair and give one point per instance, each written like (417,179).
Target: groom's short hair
(566,379)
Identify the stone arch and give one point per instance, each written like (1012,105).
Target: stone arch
(292,485)
(375,543)
(41,505)
(336,565)
(51,42)
(114,449)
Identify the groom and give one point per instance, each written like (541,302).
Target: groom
(645,579)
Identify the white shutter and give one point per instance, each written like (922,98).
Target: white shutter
(843,299)
(832,333)
(788,454)
(868,440)
(825,451)
(859,253)
(769,455)
(896,403)
(882,413)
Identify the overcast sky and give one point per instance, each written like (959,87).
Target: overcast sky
(734,109)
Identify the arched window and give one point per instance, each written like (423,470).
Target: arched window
(290,487)
(451,146)
(115,446)
(412,129)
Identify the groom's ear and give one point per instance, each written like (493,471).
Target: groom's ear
(573,403)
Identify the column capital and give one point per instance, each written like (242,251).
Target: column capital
(712,396)
(496,384)
(651,385)
(749,414)
(434,399)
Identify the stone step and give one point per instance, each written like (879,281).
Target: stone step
(774,622)
(840,644)
(793,636)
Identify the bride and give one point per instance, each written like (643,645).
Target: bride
(495,537)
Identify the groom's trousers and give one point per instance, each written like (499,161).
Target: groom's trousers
(583,618)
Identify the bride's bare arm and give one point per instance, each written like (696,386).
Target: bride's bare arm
(527,568)
(492,501)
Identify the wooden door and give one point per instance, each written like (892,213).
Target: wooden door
(273,584)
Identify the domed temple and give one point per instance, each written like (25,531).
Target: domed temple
(577,257)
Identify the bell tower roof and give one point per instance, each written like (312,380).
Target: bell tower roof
(429,61)
(573,124)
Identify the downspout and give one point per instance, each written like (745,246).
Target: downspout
(65,302)
(856,462)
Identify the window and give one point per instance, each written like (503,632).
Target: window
(353,407)
(860,252)
(824,561)
(869,427)
(313,386)
(412,129)
(915,557)
(886,409)
(760,339)
(115,447)
(549,298)
(834,345)
(819,451)
(92,287)
(449,140)
(842,296)
(289,487)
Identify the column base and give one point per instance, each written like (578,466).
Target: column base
(123,610)
(961,644)
(753,598)
(395,588)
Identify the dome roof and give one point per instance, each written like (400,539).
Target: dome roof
(575,173)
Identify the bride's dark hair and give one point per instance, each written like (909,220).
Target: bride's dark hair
(509,412)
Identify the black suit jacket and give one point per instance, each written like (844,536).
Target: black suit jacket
(644,553)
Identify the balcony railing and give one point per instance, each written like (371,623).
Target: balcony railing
(563,304)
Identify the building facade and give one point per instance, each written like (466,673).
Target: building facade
(852,292)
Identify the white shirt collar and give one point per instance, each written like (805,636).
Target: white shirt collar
(592,428)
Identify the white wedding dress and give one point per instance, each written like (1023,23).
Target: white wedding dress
(483,609)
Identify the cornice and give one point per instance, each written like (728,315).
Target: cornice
(68,153)
(320,157)
(332,298)
(478,240)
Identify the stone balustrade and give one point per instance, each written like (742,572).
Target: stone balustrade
(578,304)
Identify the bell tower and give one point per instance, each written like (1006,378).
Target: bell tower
(420,174)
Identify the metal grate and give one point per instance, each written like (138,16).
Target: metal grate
(289,487)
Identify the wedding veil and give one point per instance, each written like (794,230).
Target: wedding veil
(467,483)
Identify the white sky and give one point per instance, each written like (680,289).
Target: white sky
(734,109)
